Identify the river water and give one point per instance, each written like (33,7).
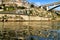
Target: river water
(42,30)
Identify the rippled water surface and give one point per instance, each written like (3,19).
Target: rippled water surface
(38,29)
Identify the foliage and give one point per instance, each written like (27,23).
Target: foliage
(9,8)
(32,6)
(21,7)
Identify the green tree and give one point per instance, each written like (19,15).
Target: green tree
(32,6)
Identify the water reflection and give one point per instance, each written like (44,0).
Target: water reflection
(31,30)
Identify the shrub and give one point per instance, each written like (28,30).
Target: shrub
(21,7)
(32,6)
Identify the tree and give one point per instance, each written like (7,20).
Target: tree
(4,2)
(32,5)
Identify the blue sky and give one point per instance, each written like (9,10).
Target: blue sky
(43,2)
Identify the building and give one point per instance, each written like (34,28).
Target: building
(15,3)
(0,2)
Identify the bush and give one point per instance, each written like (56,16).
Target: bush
(9,8)
(32,6)
(21,7)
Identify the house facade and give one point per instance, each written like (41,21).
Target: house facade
(15,3)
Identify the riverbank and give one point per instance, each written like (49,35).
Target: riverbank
(29,20)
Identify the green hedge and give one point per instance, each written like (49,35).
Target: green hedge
(9,8)
(21,7)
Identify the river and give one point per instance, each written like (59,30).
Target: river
(49,30)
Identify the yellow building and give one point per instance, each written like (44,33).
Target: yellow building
(16,2)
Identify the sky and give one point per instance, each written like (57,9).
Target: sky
(43,2)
